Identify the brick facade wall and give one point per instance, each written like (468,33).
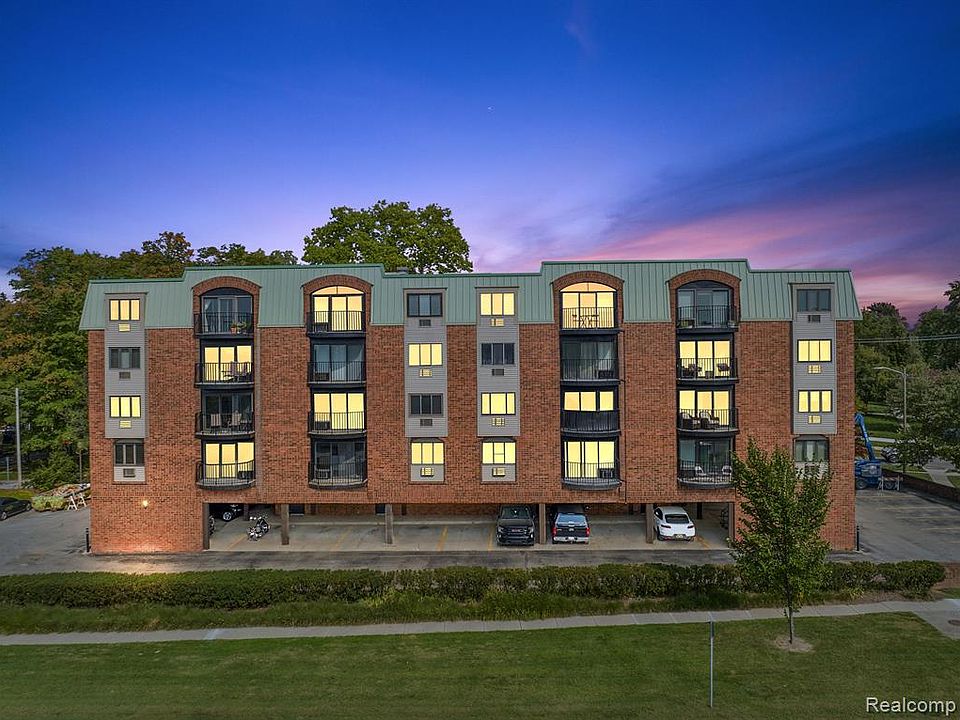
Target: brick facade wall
(172,519)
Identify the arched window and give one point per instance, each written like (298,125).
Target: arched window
(705,304)
(337,309)
(225,311)
(588,305)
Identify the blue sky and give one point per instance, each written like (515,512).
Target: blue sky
(806,134)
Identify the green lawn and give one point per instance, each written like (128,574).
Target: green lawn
(882,425)
(620,672)
(19,494)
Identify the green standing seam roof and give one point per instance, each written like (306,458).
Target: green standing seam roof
(764,294)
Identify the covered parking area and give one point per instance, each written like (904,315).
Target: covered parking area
(414,528)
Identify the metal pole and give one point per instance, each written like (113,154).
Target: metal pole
(16,395)
(903,463)
(711,663)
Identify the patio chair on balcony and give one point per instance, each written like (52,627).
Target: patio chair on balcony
(708,421)
(726,472)
(690,371)
(723,369)
(214,422)
(687,421)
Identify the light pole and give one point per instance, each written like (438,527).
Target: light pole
(903,376)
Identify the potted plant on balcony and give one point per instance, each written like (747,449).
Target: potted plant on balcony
(240,327)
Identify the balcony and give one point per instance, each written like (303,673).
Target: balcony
(707,421)
(578,421)
(337,372)
(335,322)
(707,317)
(339,423)
(226,476)
(223,424)
(587,370)
(707,369)
(590,476)
(223,324)
(232,373)
(578,319)
(338,476)
(704,475)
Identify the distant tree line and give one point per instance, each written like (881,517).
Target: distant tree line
(43,352)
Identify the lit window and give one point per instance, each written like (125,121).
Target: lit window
(338,309)
(496,303)
(124,406)
(589,458)
(425,452)
(228,460)
(587,305)
(589,401)
(498,403)
(499,452)
(814,350)
(815,401)
(125,310)
(338,411)
(421,354)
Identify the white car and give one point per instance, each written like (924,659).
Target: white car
(673,523)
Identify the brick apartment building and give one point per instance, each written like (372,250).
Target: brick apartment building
(347,389)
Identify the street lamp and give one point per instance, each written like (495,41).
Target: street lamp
(903,376)
(16,396)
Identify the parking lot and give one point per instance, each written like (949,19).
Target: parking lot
(438,534)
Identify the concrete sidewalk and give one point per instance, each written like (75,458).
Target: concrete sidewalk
(941,614)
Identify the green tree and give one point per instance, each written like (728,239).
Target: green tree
(780,549)
(236,254)
(933,416)
(166,256)
(424,240)
(880,321)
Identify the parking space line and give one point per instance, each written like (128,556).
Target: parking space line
(339,542)
(703,542)
(443,539)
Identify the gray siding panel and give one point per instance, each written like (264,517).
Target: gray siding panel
(509,382)
(414,383)
(136,385)
(826,379)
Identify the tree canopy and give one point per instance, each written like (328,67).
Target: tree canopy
(423,240)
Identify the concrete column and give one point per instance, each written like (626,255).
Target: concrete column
(246,510)
(285,524)
(542,523)
(206,526)
(700,511)
(648,519)
(388,524)
(731,521)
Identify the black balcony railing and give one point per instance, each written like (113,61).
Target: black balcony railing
(692,317)
(336,372)
(335,321)
(326,476)
(591,476)
(223,323)
(590,422)
(708,420)
(704,474)
(226,476)
(587,318)
(235,373)
(706,368)
(600,369)
(341,423)
(224,424)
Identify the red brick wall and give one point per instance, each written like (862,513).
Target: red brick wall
(840,531)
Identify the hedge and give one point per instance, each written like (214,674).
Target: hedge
(235,589)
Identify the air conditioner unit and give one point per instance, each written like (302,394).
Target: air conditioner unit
(129,472)
(323,424)
(323,473)
(124,374)
(497,371)
(498,472)
(606,374)
(813,318)
(322,376)
(608,473)
(426,422)
(425,322)
(426,372)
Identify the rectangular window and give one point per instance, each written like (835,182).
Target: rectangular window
(128,453)
(338,411)
(810,450)
(498,403)
(424,305)
(589,458)
(496,303)
(815,401)
(422,354)
(814,350)
(426,404)
(813,300)
(124,406)
(124,358)
(497,354)
(125,310)
(499,452)
(426,452)
(589,401)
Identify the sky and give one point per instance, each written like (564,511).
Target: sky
(797,135)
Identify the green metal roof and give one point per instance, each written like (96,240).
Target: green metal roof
(764,294)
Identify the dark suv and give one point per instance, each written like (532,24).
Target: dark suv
(570,524)
(515,525)
(226,511)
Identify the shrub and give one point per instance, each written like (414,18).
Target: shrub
(914,578)
(41,503)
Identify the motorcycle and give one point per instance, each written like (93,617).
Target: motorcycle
(259,528)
